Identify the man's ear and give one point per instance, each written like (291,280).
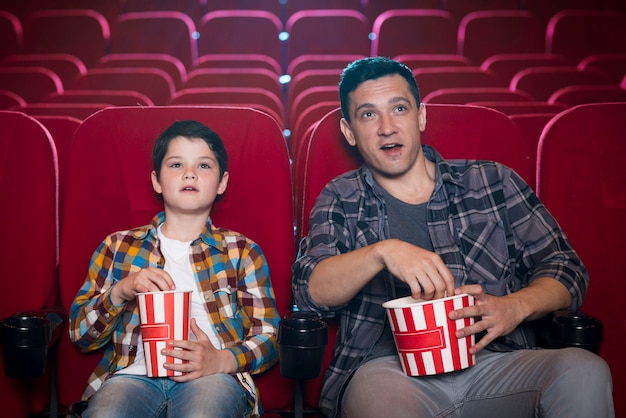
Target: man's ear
(155,183)
(347,131)
(421,117)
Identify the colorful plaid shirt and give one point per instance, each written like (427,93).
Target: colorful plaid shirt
(485,223)
(231,273)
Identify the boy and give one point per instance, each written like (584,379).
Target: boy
(234,316)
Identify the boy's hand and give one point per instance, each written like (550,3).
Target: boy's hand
(203,358)
(150,279)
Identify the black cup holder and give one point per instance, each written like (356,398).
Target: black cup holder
(302,339)
(25,341)
(572,328)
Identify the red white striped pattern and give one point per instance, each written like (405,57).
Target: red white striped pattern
(425,336)
(164,316)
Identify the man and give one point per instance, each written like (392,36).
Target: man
(409,222)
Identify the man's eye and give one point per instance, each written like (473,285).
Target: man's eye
(400,108)
(367,114)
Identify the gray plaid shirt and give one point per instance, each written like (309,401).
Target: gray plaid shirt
(486,224)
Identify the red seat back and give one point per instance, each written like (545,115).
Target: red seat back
(581,180)
(111,155)
(29,256)
(541,82)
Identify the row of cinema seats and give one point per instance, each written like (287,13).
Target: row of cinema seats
(579,177)
(252,57)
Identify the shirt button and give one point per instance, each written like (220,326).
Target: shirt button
(198,268)
(131,348)
(107,315)
(207,296)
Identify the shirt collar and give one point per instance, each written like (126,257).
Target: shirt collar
(208,235)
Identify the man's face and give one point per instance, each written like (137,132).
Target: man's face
(386,125)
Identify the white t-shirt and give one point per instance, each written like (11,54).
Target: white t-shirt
(178,265)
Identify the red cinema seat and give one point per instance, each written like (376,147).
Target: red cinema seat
(531,126)
(576,95)
(30,83)
(28,282)
(581,180)
(79,111)
(239,61)
(310,97)
(273,6)
(11,34)
(416,61)
(461,8)
(413,31)
(311,78)
(293,6)
(166,62)
(603,33)
(544,10)
(66,66)
(156,33)
(241,32)
(80,32)
(192,8)
(464,95)
(308,118)
(541,82)
(9,99)
(435,78)
(614,65)
(373,8)
(156,84)
(111,153)
(306,62)
(327,32)
(486,33)
(111,97)
(521,107)
(505,66)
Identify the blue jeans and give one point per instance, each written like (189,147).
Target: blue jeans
(134,396)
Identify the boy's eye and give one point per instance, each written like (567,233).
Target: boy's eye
(205,165)
(175,165)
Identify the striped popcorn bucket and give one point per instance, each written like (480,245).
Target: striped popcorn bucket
(425,337)
(164,317)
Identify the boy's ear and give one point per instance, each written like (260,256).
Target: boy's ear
(155,183)
(223,183)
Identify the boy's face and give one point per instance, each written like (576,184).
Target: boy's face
(190,177)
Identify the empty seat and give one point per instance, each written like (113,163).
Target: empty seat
(306,119)
(541,82)
(460,8)
(235,77)
(373,8)
(505,66)
(79,32)
(239,61)
(327,32)
(79,111)
(531,126)
(415,61)
(166,62)
(30,83)
(318,62)
(9,99)
(273,6)
(310,97)
(111,155)
(111,97)
(311,78)
(603,33)
(614,65)
(435,78)
(413,31)
(576,95)
(544,10)
(192,8)
(153,82)
(255,97)
(486,33)
(156,33)
(516,108)
(109,9)
(11,34)
(582,182)
(293,6)
(66,66)
(240,32)
(463,95)
(28,186)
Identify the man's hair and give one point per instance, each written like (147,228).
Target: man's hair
(192,130)
(372,68)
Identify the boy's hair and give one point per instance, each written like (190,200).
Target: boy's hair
(192,130)
(372,68)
